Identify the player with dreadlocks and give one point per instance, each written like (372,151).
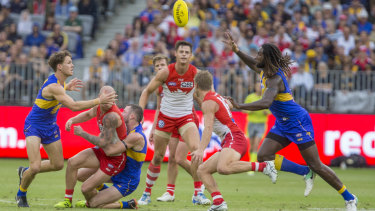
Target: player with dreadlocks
(293,123)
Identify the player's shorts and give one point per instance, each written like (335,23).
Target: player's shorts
(110,165)
(236,141)
(125,187)
(300,132)
(47,134)
(170,124)
(255,129)
(176,134)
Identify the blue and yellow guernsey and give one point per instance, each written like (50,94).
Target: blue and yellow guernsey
(283,107)
(44,111)
(132,171)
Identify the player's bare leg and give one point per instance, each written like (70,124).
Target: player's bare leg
(181,153)
(88,187)
(153,171)
(190,134)
(172,172)
(205,172)
(84,159)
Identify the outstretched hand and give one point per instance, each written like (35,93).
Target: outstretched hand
(68,125)
(74,85)
(229,41)
(234,103)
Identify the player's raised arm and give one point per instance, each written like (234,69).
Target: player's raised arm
(248,60)
(269,95)
(82,117)
(56,91)
(157,81)
(108,134)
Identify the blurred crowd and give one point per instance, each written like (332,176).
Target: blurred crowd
(330,41)
(31,30)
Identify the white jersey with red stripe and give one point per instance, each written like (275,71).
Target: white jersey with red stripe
(178,90)
(224,122)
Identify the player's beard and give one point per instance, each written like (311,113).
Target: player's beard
(261,64)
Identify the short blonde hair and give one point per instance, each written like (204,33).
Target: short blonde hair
(203,80)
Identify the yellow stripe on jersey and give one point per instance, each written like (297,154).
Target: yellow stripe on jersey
(278,161)
(46,104)
(137,156)
(283,97)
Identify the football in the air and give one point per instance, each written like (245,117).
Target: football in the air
(180,13)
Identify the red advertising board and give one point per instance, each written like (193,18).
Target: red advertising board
(335,135)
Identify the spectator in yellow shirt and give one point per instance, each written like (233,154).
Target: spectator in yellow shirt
(256,121)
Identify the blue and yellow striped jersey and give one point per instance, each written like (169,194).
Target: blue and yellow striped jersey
(44,111)
(283,106)
(134,161)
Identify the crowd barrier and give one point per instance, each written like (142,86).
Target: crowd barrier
(335,135)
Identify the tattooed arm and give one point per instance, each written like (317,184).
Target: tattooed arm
(108,134)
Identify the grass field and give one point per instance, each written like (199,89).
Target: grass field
(242,192)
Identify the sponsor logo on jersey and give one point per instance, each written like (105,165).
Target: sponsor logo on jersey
(300,139)
(110,165)
(298,135)
(172,83)
(187,84)
(107,169)
(161,123)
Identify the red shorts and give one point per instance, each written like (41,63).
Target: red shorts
(110,165)
(176,134)
(236,141)
(172,124)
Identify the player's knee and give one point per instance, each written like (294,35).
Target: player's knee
(58,166)
(85,189)
(72,163)
(34,169)
(94,204)
(200,171)
(157,159)
(316,166)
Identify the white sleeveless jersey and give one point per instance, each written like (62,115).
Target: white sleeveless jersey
(178,92)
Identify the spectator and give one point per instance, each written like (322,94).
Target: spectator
(323,86)
(95,77)
(5,20)
(315,6)
(62,8)
(123,43)
(49,23)
(298,55)
(59,37)
(4,72)
(363,24)
(204,55)
(149,38)
(89,7)
(4,42)
(134,56)
(311,61)
(51,46)
(346,41)
(361,61)
(22,75)
(17,6)
(35,38)
(301,84)
(73,23)
(149,12)
(12,33)
(193,38)
(25,24)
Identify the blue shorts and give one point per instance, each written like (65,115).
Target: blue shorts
(47,134)
(126,187)
(299,132)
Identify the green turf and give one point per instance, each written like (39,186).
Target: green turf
(242,192)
